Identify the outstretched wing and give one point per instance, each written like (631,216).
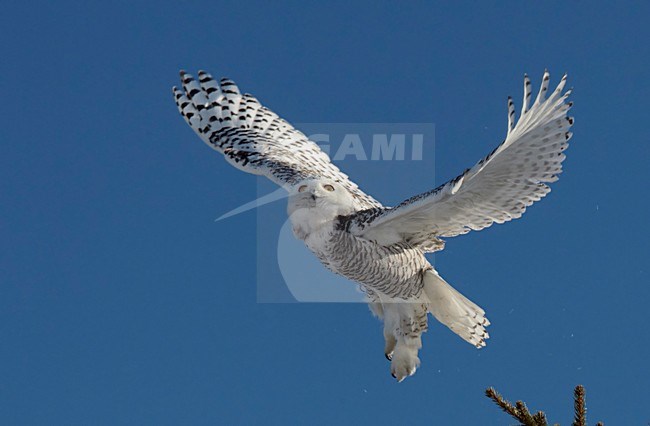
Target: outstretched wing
(253,138)
(497,189)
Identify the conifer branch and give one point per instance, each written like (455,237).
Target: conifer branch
(520,412)
(505,405)
(540,418)
(580,416)
(524,415)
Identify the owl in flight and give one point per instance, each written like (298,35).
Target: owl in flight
(382,248)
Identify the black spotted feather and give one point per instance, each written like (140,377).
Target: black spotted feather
(253,138)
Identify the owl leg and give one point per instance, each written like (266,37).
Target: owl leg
(403,328)
(391,341)
(389,335)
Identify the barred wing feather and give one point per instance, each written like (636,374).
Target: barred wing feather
(497,189)
(253,138)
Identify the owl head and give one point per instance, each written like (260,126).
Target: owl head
(319,200)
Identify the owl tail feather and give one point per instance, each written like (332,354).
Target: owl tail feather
(454,310)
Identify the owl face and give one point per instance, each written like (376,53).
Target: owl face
(321,194)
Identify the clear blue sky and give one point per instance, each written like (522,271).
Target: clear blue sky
(122,301)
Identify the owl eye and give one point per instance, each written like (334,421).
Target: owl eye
(302,188)
(328,187)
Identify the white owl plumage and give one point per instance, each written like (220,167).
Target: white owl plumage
(382,248)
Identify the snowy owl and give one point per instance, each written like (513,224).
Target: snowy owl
(383,248)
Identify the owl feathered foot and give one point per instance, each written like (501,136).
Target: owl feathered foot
(404,361)
(404,324)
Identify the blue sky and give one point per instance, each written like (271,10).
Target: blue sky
(122,301)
